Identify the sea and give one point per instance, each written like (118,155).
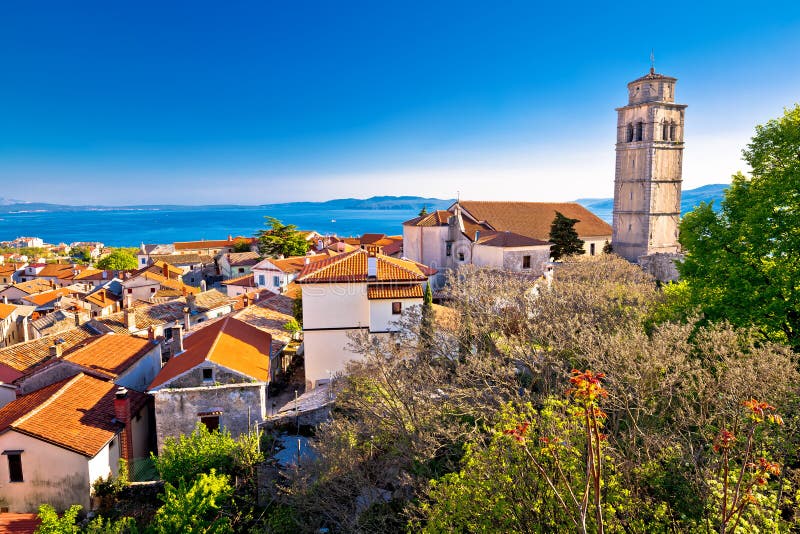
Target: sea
(131,227)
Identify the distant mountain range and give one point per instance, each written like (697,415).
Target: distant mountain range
(690,198)
(603,207)
(372,203)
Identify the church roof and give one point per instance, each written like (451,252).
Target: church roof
(653,75)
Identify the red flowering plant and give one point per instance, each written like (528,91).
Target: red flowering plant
(554,455)
(744,469)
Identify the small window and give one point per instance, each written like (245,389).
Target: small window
(143,261)
(672,132)
(639,130)
(460,256)
(448,249)
(152,290)
(130,291)
(526,262)
(241,269)
(665,131)
(591,249)
(15,467)
(208,375)
(276,281)
(629,136)
(211,422)
(397,308)
(262,280)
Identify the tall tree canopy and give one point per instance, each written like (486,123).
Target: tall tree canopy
(281,239)
(118,260)
(564,237)
(742,263)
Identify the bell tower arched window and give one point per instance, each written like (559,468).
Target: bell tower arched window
(672,130)
(629,133)
(664,131)
(638,132)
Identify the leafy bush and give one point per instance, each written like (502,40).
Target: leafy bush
(196,507)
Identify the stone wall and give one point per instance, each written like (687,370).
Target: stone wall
(221,376)
(177,410)
(512,260)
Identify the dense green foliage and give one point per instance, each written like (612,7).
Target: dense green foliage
(201,451)
(742,263)
(195,507)
(564,237)
(281,240)
(118,260)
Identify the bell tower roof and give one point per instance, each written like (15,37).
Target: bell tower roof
(653,75)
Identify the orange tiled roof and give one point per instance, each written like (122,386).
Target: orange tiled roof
(40,299)
(167,283)
(236,259)
(110,355)
(230,343)
(6,310)
(352,267)
(394,291)
(533,219)
(24,356)
(510,239)
(436,218)
(76,414)
(61,270)
(19,523)
(293,264)
(33,286)
(247,280)
(207,244)
(182,259)
(102,298)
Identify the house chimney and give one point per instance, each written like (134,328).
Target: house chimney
(122,413)
(186,318)
(306,261)
(105,275)
(372,265)
(102,294)
(5,299)
(165,270)
(151,333)
(177,339)
(246,300)
(77,319)
(25,333)
(55,350)
(203,285)
(130,319)
(477,235)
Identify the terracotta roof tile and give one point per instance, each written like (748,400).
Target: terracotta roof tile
(208,244)
(436,218)
(62,271)
(182,259)
(40,299)
(237,259)
(230,343)
(19,523)
(102,297)
(110,355)
(510,239)
(352,267)
(533,219)
(76,413)
(394,291)
(33,286)
(247,280)
(24,356)
(6,310)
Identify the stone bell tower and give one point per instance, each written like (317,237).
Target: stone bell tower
(647,182)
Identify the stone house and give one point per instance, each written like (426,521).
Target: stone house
(504,235)
(236,264)
(357,291)
(219,379)
(56,441)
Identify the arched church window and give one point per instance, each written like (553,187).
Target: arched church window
(639,128)
(665,131)
(672,132)
(629,135)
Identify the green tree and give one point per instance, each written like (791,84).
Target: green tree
(81,254)
(195,507)
(53,524)
(423,211)
(742,263)
(118,260)
(564,237)
(242,245)
(281,239)
(203,450)
(427,320)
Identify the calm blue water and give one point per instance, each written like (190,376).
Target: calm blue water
(132,227)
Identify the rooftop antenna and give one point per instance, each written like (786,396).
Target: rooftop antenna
(652,61)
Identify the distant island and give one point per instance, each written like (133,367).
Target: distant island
(603,207)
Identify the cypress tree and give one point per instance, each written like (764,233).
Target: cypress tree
(564,237)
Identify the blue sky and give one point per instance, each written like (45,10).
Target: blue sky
(257,102)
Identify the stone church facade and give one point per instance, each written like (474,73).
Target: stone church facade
(648,176)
